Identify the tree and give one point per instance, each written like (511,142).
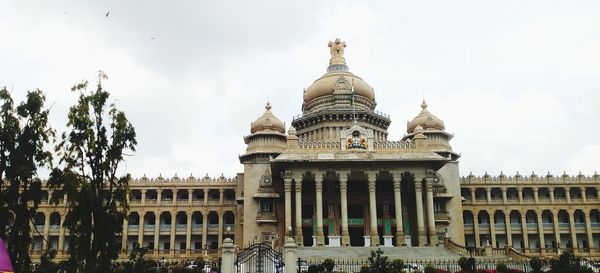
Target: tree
(536,265)
(24,131)
(91,153)
(568,263)
(378,263)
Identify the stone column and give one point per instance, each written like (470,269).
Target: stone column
(220,232)
(488,195)
(430,215)
(228,256)
(221,199)
(556,227)
(141,229)
(298,188)
(583,195)
(143,201)
(551,191)
(524,231)
(344,208)
(541,233)
(568,194)
(45,243)
(572,230)
(124,235)
(508,229)
(156,232)
(536,198)
(319,198)
(398,208)
(206,196)
(172,234)
(158,196)
(372,176)
(472,194)
(476,228)
(492,228)
(420,218)
(61,235)
(190,195)
(504,199)
(290,255)
(520,193)
(588,229)
(188,232)
(288,203)
(205,227)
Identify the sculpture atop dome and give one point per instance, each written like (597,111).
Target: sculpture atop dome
(337,51)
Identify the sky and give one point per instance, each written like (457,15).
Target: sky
(516,82)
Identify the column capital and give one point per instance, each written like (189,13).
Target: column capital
(298,185)
(418,186)
(343,176)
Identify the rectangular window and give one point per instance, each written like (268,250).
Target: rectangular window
(266,206)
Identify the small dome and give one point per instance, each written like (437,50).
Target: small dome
(267,122)
(329,82)
(426,120)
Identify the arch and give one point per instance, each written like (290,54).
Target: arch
(496,194)
(579,217)
(151,195)
(55,219)
(466,194)
(229,195)
(181,218)
(591,193)
(197,195)
(528,194)
(560,194)
(595,217)
(40,219)
(547,217)
(197,218)
(182,195)
(543,193)
(213,218)
(165,218)
(575,193)
(499,217)
(149,218)
(563,217)
(531,217)
(135,196)
(480,195)
(468,217)
(515,217)
(483,217)
(134,219)
(229,218)
(512,193)
(213,195)
(166,195)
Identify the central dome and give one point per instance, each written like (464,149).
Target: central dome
(338,81)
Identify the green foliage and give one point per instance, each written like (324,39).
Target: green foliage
(328,264)
(463,262)
(378,263)
(365,269)
(314,269)
(90,154)
(429,269)
(396,266)
(502,268)
(24,131)
(568,263)
(536,265)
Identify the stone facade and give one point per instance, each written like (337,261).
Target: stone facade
(334,179)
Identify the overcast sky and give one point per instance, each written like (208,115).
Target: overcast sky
(516,82)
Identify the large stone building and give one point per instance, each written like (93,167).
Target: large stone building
(335,179)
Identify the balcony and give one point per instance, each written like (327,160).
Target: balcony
(135,201)
(133,227)
(148,227)
(181,227)
(183,201)
(196,226)
(197,201)
(164,227)
(151,201)
(442,215)
(266,217)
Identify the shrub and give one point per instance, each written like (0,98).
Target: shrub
(396,266)
(536,265)
(313,269)
(502,268)
(463,262)
(429,269)
(328,264)
(364,269)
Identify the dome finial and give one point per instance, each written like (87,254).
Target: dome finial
(268,106)
(337,51)
(424,104)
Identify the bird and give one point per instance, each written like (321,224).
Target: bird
(107,13)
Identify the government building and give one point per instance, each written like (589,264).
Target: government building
(334,179)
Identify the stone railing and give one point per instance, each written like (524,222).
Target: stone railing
(516,255)
(394,145)
(325,145)
(531,178)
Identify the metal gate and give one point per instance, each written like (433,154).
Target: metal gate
(259,258)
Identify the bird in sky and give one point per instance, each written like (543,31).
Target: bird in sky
(107,13)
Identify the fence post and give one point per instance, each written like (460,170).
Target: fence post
(289,255)
(228,256)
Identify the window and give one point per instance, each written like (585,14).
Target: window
(266,206)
